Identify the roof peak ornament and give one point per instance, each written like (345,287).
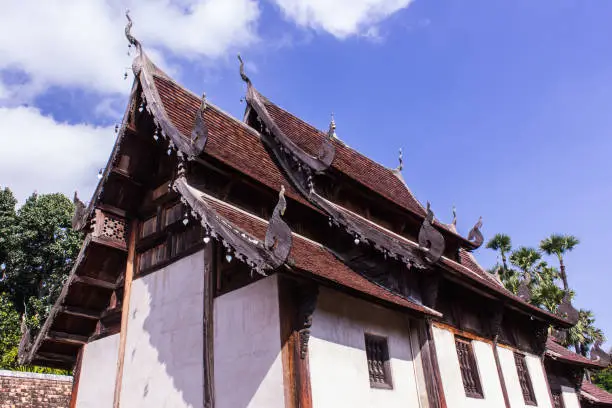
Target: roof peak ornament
(430,238)
(128,33)
(331,133)
(475,236)
(244,77)
(524,288)
(600,356)
(79,212)
(278,235)
(400,167)
(200,130)
(454,217)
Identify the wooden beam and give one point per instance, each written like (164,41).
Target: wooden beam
(208,326)
(89,281)
(76,375)
(433,381)
(61,337)
(80,312)
(129,276)
(55,357)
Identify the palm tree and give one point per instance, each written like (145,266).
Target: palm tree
(584,333)
(546,293)
(528,260)
(558,245)
(503,244)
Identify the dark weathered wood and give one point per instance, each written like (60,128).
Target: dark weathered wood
(80,312)
(377,354)
(99,283)
(524,379)
(288,336)
(500,374)
(553,400)
(129,276)
(55,357)
(208,326)
(76,376)
(433,382)
(61,337)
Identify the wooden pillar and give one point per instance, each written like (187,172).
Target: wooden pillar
(209,356)
(550,396)
(296,306)
(125,310)
(500,374)
(76,376)
(433,380)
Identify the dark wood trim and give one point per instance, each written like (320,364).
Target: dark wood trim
(431,370)
(500,374)
(62,358)
(208,326)
(89,281)
(80,312)
(105,333)
(129,275)
(552,401)
(287,312)
(295,300)
(76,376)
(169,261)
(68,338)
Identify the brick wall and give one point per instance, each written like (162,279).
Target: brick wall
(30,390)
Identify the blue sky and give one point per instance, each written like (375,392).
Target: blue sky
(503,109)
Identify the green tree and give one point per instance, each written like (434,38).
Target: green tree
(7,222)
(545,292)
(582,335)
(558,245)
(9,333)
(603,378)
(503,244)
(41,249)
(527,260)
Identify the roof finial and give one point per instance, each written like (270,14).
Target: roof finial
(454,216)
(475,236)
(331,133)
(128,33)
(244,77)
(200,130)
(401,160)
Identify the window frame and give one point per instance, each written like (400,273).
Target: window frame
(383,360)
(557,393)
(470,371)
(525,381)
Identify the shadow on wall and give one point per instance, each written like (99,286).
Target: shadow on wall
(164,352)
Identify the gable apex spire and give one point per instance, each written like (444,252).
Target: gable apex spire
(128,33)
(244,77)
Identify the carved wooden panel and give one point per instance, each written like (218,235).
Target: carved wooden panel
(148,227)
(379,369)
(524,379)
(109,228)
(469,369)
(557,397)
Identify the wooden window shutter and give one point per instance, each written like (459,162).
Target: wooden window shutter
(524,379)
(379,368)
(469,368)
(557,396)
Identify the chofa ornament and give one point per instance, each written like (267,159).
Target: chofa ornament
(430,238)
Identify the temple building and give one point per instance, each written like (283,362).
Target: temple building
(260,262)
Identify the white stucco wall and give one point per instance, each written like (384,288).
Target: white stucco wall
(450,373)
(570,397)
(337,357)
(98,373)
(536,373)
(163,364)
(247,347)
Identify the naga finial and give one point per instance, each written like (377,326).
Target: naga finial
(278,235)
(244,77)
(475,236)
(454,216)
(128,32)
(200,131)
(401,160)
(331,133)
(430,238)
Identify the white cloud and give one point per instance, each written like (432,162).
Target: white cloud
(38,153)
(341,18)
(76,43)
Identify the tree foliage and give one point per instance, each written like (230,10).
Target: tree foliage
(603,378)
(37,249)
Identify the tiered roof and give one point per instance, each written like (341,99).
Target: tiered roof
(218,136)
(557,352)
(595,395)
